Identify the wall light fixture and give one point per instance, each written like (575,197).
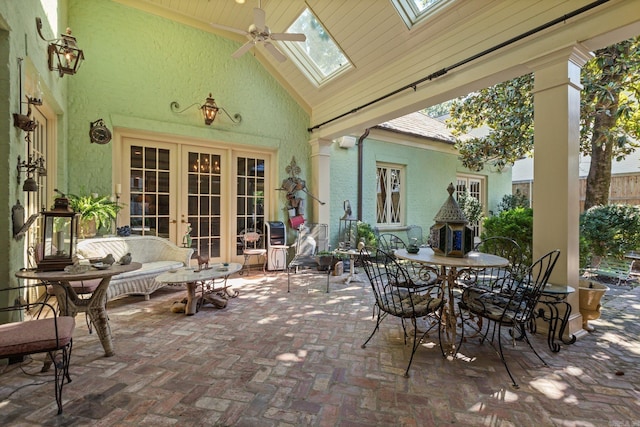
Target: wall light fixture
(64,53)
(209,110)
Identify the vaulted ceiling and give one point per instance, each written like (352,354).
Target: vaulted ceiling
(389,58)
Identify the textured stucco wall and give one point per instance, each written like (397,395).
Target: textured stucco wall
(427,175)
(138,63)
(19,39)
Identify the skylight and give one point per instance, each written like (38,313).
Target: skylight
(319,58)
(414,11)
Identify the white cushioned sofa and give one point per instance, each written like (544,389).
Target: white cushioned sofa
(156,255)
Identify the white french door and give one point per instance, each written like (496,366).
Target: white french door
(197,196)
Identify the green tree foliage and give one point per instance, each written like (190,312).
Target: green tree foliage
(610,230)
(516,224)
(610,117)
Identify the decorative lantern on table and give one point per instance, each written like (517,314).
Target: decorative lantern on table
(59,236)
(451,234)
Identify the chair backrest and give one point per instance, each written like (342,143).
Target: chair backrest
(389,281)
(252,239)
(312,238)
(506,248)
(535,279)
(388,242)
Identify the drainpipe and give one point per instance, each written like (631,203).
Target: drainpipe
(360,155)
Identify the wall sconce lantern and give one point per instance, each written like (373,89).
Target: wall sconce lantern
(64,53)
(209,110)
(451,235)
(59,236)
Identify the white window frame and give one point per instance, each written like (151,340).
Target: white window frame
(401,215)
(476,186)
(412,15)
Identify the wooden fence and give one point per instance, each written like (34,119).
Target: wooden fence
(624,190)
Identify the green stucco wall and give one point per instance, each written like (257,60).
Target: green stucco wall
(137,64)
(427,175)
(19,39)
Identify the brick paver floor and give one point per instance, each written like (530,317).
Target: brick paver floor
(272,358)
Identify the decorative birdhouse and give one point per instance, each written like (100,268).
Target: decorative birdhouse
(59,236)
(451,234)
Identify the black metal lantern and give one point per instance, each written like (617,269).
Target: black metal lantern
(59,236)
(451,234)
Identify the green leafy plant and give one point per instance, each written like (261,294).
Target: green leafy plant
(516,224)
(365,233)
(512,201)
(610,231)
(100,209)
(471,207)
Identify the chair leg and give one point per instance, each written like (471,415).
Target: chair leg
(526,338)
(414,347)
(61,371)
(504,362)
(381,315)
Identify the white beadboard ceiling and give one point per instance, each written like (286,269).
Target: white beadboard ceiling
(387,55)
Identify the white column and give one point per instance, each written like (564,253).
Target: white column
(320,181)
(556,188)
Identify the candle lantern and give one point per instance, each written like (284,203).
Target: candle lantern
(59,236)
(451,234)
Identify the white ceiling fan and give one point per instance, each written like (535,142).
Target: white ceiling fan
(259,33)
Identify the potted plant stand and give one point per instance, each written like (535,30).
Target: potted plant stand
(589,294)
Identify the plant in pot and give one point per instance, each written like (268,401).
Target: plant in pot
(96,212)
(325,260)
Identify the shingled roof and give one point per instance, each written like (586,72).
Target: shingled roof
(420,125)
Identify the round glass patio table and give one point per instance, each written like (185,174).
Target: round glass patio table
(449,267)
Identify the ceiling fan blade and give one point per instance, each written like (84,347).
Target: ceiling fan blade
(243,49)
(230,29)
(279,56)
(259,18)
(292,37)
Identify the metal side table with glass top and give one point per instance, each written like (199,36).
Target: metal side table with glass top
(554,298)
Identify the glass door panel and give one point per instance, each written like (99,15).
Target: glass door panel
(204,193)
(149,189)
(250,192)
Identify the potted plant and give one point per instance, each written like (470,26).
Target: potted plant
(95,211)
(325,260)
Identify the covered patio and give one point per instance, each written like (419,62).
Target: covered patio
(273,358)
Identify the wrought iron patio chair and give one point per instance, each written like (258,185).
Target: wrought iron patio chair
(510,303)
(396,294)
(389,241)
(486,277)
(52,335)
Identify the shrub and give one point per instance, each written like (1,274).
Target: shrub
(512,201)
(516,224)
(610,230)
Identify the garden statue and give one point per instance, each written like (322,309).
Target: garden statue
(186,239)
